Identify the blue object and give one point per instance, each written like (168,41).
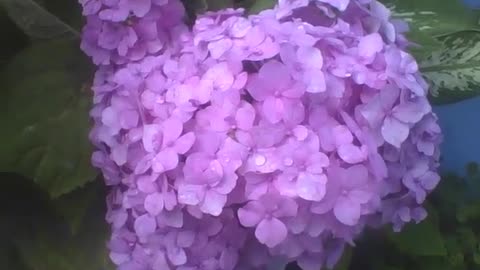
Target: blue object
(460,124)
(475,4)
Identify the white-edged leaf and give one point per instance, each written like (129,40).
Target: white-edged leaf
(433,16)
(36,21)
(428,19)
(453,71)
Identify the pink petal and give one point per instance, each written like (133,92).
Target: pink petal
(293,111)
(147,184)
(119,154)
(317,162)
(184,143)
(169,200)
(389,96)
(227,184)
(218,48)
(360,196)
(144,225)
(154,203)
(285,185)
(176,255)
(340,4)
(256,87)
(311,187)
(150,137)
(394,132)
(275,75)
(140,7)
(213,203)
(286,207)
(160,262)
(311,56)
(294,91)
(271,232)
(370,45)
(172,129)
(190,194)
(355,177)
(430,180)
(251,214)
(342,135)
(352,154)
(410,112)
(171,219)
(245,116)
(273,109)
(185,238)
(165,161)
(228,259)
(220,76)
(347,212)
(316,82)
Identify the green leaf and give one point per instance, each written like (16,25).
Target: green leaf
(429,19)
(40,239)
(46,123)
(36,21)
(73,207)
(453,72)
(344,262)
(468,212)
(38,59)
(218,4)
(16,39)
(434,17)
(260,5)
(423,239)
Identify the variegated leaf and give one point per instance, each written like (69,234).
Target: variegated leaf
(453,71)
(433,16)
(429,19)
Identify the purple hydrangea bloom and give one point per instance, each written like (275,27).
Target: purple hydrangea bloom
(128,30)
(249,138)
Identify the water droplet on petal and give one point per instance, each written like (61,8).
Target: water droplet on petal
(260,160)
(288,162)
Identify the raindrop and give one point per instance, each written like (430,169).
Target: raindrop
(260,160)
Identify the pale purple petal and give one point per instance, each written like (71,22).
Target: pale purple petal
(145,225)
(271,232)
(346,211)
(154,203)
(273,109)
(394,131)
(311,187)
(184,143)
(213,203)
(251,214)
(190,194)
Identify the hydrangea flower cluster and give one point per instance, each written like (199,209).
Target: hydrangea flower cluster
(242,139)
(121,31)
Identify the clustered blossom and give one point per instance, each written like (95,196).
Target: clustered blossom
(248,138)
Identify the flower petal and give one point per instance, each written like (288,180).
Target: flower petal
(213,203)
(251,214)
(311,187)
(154,203)
(273,109)
(184,143)
(271,232)
(346,211)
(394,132)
